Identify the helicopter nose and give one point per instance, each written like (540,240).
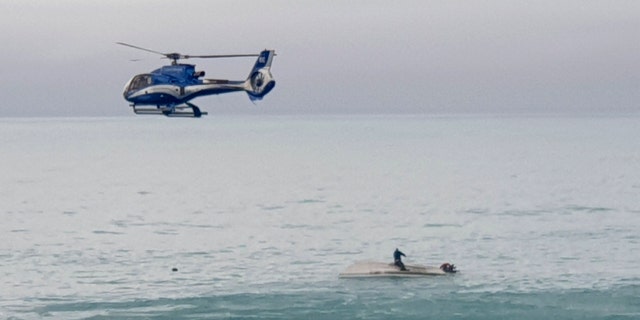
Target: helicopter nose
(125,90)
(127,95)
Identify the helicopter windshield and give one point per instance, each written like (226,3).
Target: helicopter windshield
(138,82)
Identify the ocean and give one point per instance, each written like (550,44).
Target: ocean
(238,217)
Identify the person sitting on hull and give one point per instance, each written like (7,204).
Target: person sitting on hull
(397,259)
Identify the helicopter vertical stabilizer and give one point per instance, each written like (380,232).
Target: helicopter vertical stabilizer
(260,81)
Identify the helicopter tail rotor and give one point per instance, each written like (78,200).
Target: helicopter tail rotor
(260,81)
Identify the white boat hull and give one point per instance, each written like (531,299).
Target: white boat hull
(384,269)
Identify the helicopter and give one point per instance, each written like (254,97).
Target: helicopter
(168,90)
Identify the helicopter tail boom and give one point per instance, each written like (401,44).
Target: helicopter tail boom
(260,80)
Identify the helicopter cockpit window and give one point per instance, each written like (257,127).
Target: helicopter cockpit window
(140,81)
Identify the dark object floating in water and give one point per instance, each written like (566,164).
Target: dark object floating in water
(448,268)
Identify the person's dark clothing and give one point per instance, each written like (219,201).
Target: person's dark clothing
(397,259)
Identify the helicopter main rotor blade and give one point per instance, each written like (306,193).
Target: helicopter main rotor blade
(139,48)
(177,56)
(187,56)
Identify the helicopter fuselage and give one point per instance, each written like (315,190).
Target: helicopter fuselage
(174,85)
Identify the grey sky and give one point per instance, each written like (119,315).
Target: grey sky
(60,57)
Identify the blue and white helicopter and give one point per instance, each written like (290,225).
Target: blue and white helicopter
(168,90)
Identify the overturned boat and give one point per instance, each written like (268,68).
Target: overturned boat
(384,269)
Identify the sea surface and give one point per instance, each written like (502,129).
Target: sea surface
(259,215)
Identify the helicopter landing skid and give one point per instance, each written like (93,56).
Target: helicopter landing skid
(188,111)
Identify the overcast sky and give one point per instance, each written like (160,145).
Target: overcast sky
(428,57)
